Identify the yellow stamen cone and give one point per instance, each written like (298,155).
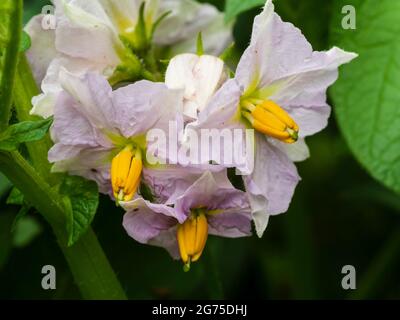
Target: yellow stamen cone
(270,119)
(192,237)
(126,170)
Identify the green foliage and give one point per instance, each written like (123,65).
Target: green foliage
(81,199)
(10,26)
(235,7)
(25,43)
(22,132)
(15,197)
(368,93)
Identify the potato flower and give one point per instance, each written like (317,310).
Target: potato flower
(211,205)
(279,90)
(100,134)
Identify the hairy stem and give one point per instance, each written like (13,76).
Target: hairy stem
(91,270)
(11,24)
(24,89)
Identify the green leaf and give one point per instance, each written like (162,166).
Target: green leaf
(25,42)
(367,95)
(27,131)
(10,26)
(15,197)
(81,199)
(234,7)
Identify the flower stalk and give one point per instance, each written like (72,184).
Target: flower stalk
(92,271)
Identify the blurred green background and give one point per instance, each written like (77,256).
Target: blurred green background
(339,216)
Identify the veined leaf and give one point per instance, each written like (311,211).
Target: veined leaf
(27,131)
(367,95)
(81,200)
(10,33)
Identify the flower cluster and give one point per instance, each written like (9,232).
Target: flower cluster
(114,71)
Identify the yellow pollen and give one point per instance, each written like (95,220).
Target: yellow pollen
(192,237)
(126,169)
(269,118)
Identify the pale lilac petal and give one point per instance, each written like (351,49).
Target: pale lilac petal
(169,182)
(272,184)
(43,105)
(217,36)
(230,223)
(71,127)
(211,193)
(146,105)
(296,152)
(221,118)
(42,50)
(143,206)
(81,160)
(310,119)
(281,66)
(93,94)
(167,240)
(222,109)
(122,10)
(187,19)
(307,83)
(281,58)
(85,31)
(148,224)
(79,148)
(277,49)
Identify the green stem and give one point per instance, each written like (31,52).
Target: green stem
(34,187)
(24,89)
(91,270)
(8,55)
(89,265)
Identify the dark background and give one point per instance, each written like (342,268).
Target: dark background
(339,216)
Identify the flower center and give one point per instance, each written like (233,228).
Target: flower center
(192,237)
(269,118)
(126,169)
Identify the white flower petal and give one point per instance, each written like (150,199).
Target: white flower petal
(186,20)
(217,36)
(296,152)
(43,105)
(42,50)
(199,77)
(85,31)
(271,186)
